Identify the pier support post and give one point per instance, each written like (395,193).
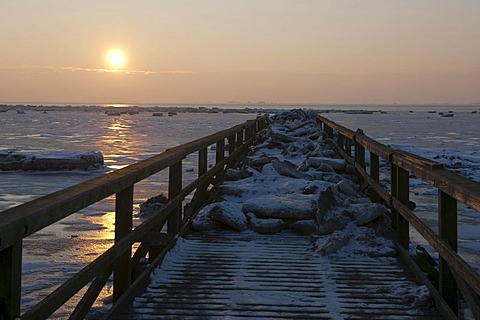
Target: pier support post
(219,156)
(360,159)
(393,192)
(123,226)
(341,141)
(10,281)
(447,230)
(202,161)
(240,138)
(348,147)
(403,196)
(231,144)
(174,188)
(375,175)
(328,130)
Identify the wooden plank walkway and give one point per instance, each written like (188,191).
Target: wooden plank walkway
(232,275)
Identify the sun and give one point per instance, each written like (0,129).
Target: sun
(116,59)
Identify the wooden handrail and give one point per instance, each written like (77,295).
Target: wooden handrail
(19,222)
(432,172)
(452,188)
(23,220)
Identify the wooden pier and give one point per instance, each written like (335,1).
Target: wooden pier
(221,274)
(216,276)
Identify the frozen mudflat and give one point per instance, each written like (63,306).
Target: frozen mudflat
(286,237)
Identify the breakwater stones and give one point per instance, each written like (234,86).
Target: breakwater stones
(54,161)
(294,179)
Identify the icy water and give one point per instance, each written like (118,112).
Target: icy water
(57,252)
(452,141)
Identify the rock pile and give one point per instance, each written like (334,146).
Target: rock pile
(294,179)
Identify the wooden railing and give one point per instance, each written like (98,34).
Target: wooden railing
(21,221)
(454,273)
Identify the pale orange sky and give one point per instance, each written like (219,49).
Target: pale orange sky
(215,51)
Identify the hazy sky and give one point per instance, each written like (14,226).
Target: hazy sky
(199,51)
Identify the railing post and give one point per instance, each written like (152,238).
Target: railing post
(174,188)
(123,226)
(341,141)
(393,191)
(447,230)
(375,175)
(231,144)
(328,130)
(404,197)
(220,153)
(10,281)
(251,131)
(202,161)
(219,156)
(239,138)
(348,147)
(360,158)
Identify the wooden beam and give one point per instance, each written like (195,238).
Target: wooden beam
(219,156)
(26,219)
(456,263)
(90,296)
(10,281)
(231,144)
(174,188)
(202,161)
(360,159)
(375,175)
(394,193)
(403,195)
(447,231)
(123,226)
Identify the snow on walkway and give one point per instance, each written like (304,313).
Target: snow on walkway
(288,236)
(227,275)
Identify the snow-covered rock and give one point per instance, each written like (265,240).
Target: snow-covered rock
(325,201)
(234,174)
(333,224)
(364,213)
(152,205)
(203,221)
(305,226)
(288,206)
(229,214)
(266,226)
(288,170)
(333,243)
(347,187)
(336,164)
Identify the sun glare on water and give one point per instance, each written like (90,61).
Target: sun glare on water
(116,59)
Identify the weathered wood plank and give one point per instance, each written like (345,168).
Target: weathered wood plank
(10,281)
(123,226)
(207,278)
(174,188)
(447,231)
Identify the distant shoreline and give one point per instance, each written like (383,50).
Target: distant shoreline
(232,108)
